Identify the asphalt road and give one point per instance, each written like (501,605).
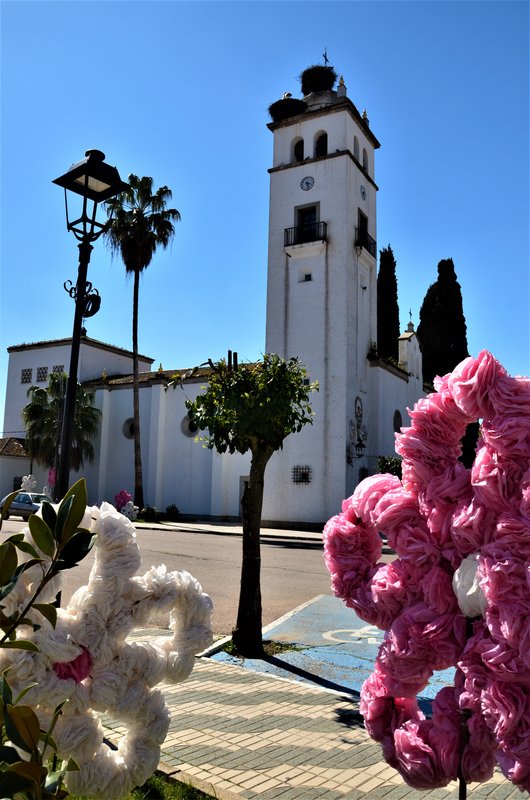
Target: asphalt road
(292,572)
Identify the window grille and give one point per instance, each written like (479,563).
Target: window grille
(26,375)
(58,368)
(42,374)
(302,474)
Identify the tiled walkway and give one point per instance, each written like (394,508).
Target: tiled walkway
(240,734)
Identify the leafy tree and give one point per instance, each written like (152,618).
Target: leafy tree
(387,306)
(442,331)
(253,407)
(43,417)
(139,223)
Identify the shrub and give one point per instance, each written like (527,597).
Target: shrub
(172,513)
(150,514)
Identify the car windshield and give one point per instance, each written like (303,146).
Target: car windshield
(39,498)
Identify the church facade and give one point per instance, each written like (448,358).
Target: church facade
(321,308)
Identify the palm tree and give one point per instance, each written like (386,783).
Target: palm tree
(139,222)
(43,417)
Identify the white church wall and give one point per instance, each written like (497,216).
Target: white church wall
(185,474)
(37,361)
(12,467)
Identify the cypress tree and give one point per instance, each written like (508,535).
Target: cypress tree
(387,306)
(442,334)
(442,331)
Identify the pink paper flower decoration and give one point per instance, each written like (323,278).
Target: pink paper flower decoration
(458,593)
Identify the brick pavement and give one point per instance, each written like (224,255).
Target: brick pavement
(241,734)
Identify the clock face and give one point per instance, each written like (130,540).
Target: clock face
(363,192)
(307,183)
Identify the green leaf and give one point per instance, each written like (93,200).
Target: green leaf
(20,644)
(49,515)
(42,535)
(23,692)
(7,502)
(8,754)
(72,510)
(47,610)
(30,770)
(46,737)
(62,520)
(77,547)
(5,690)
(8,562)
(22,727)
(23,546)
(10,784)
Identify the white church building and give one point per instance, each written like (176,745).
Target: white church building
(321,307)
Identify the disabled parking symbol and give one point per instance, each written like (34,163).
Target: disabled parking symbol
(369,634)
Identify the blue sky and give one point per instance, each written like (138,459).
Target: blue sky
(180,90)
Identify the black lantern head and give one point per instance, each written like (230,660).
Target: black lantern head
(359,447)
(93,178)
(95,181)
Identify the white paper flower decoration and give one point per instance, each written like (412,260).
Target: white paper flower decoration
(87,660)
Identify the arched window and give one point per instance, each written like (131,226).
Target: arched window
(298,150)
(356,147)
(397,421)
(321,144)
(365,159)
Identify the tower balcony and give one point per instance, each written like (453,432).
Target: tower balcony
(363,239)
(303,234)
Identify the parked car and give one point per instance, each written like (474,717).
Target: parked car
(24,505)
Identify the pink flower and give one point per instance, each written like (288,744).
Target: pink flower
(478,756)
(419,642)
(450,528)
(472,385)
(504,705)
(508,436)
(366,496)
(419,762)
(472,526)
(350,551)
(78,669)
(397,514)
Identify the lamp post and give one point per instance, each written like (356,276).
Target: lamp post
(95,181)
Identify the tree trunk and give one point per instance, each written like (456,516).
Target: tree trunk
(246,635)
(138,480)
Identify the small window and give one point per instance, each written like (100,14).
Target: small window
(321,145)
(59,368)
(189,427)
(301,474)
(128,428)
(26,375)
(298,150)
(304,277)
(365,159)
(356,148)
(397,421)
(42,374)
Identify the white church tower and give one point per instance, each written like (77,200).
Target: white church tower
(322,289)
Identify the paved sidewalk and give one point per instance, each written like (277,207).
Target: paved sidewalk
(232,529)
(238,733)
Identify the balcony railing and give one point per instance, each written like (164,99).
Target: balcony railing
(301,234)
(363,239)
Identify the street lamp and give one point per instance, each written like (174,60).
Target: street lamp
(95,181)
